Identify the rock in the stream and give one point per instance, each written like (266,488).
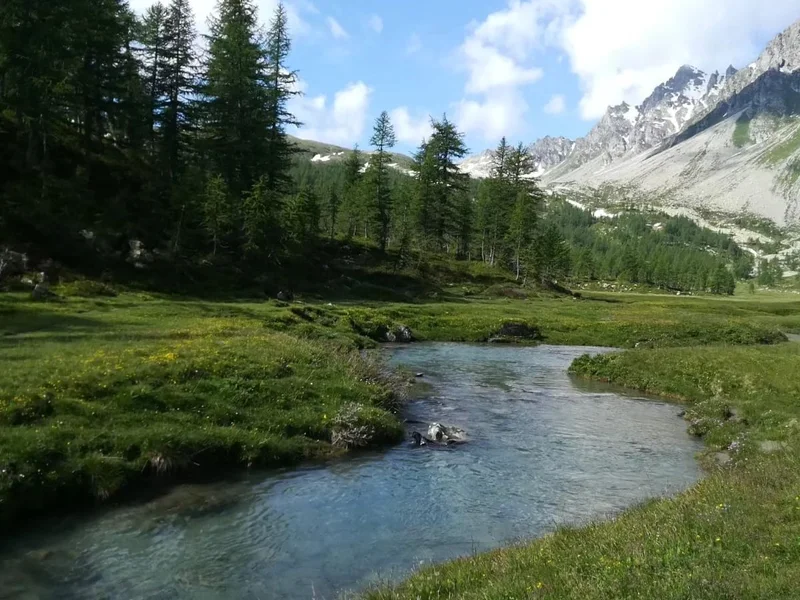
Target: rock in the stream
(439,435)
(445,434)
(404,335)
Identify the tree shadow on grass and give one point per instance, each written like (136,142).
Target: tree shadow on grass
(17,318)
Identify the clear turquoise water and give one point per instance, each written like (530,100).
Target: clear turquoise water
(544,450)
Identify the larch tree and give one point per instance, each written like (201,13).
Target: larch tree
(352,191)
(179,81)
(235,95)
(383,139)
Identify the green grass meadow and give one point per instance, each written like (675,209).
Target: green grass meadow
(102,395)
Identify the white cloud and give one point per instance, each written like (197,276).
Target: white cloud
(414,44)
(556,106)
(342,122)
(621,51)
(489,68)
(410,130)
(375,23)
(617,49)
(497,55)
(337,31)
(498,114)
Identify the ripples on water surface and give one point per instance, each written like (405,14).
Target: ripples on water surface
(544,450)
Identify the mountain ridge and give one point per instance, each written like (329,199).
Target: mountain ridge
(728,141)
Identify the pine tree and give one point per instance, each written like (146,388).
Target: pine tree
(281,86)
(97,83)
(403,221)
(217,213)
(550,255)
(424,168)
(151,50)
(332,207)
(301,218)
(259,217)
(383,139)
(177,66)
(521,228)
(519,166)
(445,148)
(351,207)
(235,97)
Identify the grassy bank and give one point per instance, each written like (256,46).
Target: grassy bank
(734,535)
(102,394)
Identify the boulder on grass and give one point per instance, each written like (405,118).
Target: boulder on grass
(12,263)
(41,291)
(515,332)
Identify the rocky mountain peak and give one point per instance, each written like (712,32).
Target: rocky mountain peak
(731,71)
(688,81)
(548,152)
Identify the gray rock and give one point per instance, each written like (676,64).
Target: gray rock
(41,292)
(404,335)
(722,459)
(444,434)
(12,263)
(138,254)
(285,296)
(514,331)
(771,447)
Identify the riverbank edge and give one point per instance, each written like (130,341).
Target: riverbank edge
(369,325)
(731,461)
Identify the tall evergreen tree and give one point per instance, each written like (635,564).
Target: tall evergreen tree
(551,256)
(445,148)
(521,228)
(352,204)
(235,97)
(217,211)
(151,49)
(383,139)
(178,67)
(281,86)
(332,204)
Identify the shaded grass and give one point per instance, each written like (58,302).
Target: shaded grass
(736,534)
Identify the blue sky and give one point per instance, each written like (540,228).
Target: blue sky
(520,68)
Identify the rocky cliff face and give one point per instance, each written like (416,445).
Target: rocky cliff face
(549,152)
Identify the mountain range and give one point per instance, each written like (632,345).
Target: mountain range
(727,141)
